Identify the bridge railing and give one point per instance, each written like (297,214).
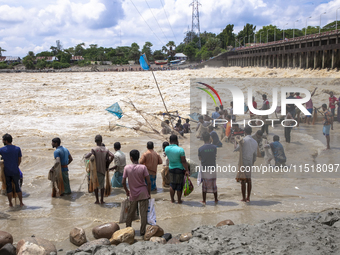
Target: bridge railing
(296,39)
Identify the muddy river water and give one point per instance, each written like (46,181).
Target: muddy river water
(36,107)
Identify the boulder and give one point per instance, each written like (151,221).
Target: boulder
(153,231)
(185,237)
(5,238)
(167,236)
(126,235)
(337,224)
(174,240)
(77,236)
(157,239)
(225,222)
(89,245)
(35,245)
(105,230)
(8,249)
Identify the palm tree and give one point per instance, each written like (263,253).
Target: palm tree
(1,50)
(171,49)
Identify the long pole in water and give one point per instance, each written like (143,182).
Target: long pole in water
(160,93)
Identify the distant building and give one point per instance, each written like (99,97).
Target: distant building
(76,58)
(180,56)
(48,59)
(10,59)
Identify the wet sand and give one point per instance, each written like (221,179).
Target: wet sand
(35,108)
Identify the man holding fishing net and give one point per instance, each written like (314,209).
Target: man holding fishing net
(59,172)
(102,157)
(11,155)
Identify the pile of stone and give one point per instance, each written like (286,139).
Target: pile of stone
(30,245)
(108,236)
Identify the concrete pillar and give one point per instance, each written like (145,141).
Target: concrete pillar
(307,60)
(323,59)
(294,60)
(283,61)
(300,56)
(288,63)
(332,64)
(277,61)
(315,60)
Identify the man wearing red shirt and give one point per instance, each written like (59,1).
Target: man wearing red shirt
(332,103)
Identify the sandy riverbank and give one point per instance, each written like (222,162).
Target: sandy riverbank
(315,233)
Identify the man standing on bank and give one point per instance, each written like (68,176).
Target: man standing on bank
(178,167)
(139,190)
(103,159)
(65,159)
(11,155)
(151,160)
(249,153)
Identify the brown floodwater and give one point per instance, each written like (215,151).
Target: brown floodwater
(34,108)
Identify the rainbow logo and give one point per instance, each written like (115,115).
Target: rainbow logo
(209,93)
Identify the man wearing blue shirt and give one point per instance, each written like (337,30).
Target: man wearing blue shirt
(11,155)
(65,159)
(216,114)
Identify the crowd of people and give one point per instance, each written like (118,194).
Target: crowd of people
(139,178)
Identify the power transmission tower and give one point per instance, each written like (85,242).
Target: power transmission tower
(195,27)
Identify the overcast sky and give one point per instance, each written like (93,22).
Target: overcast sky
(36,25)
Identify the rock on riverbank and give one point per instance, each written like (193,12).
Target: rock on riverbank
(316,233)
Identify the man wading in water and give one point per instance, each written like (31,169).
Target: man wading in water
(103,158)
(178,167)
(11,155)
(65,159)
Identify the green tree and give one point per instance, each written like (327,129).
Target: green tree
(227,37)
(170,49)
(41,63)
(273,32)
(79,49)
(70,50)
(246,34)
(1,50)
(28,61)
(190,51)
(189,37)
(3,65)
(64,57)
(147,50)
(134,53)
(180,48)
(44,54)
(158,55)
(205,36)
(212,43)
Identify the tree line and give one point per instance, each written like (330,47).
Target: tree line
(196,48)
